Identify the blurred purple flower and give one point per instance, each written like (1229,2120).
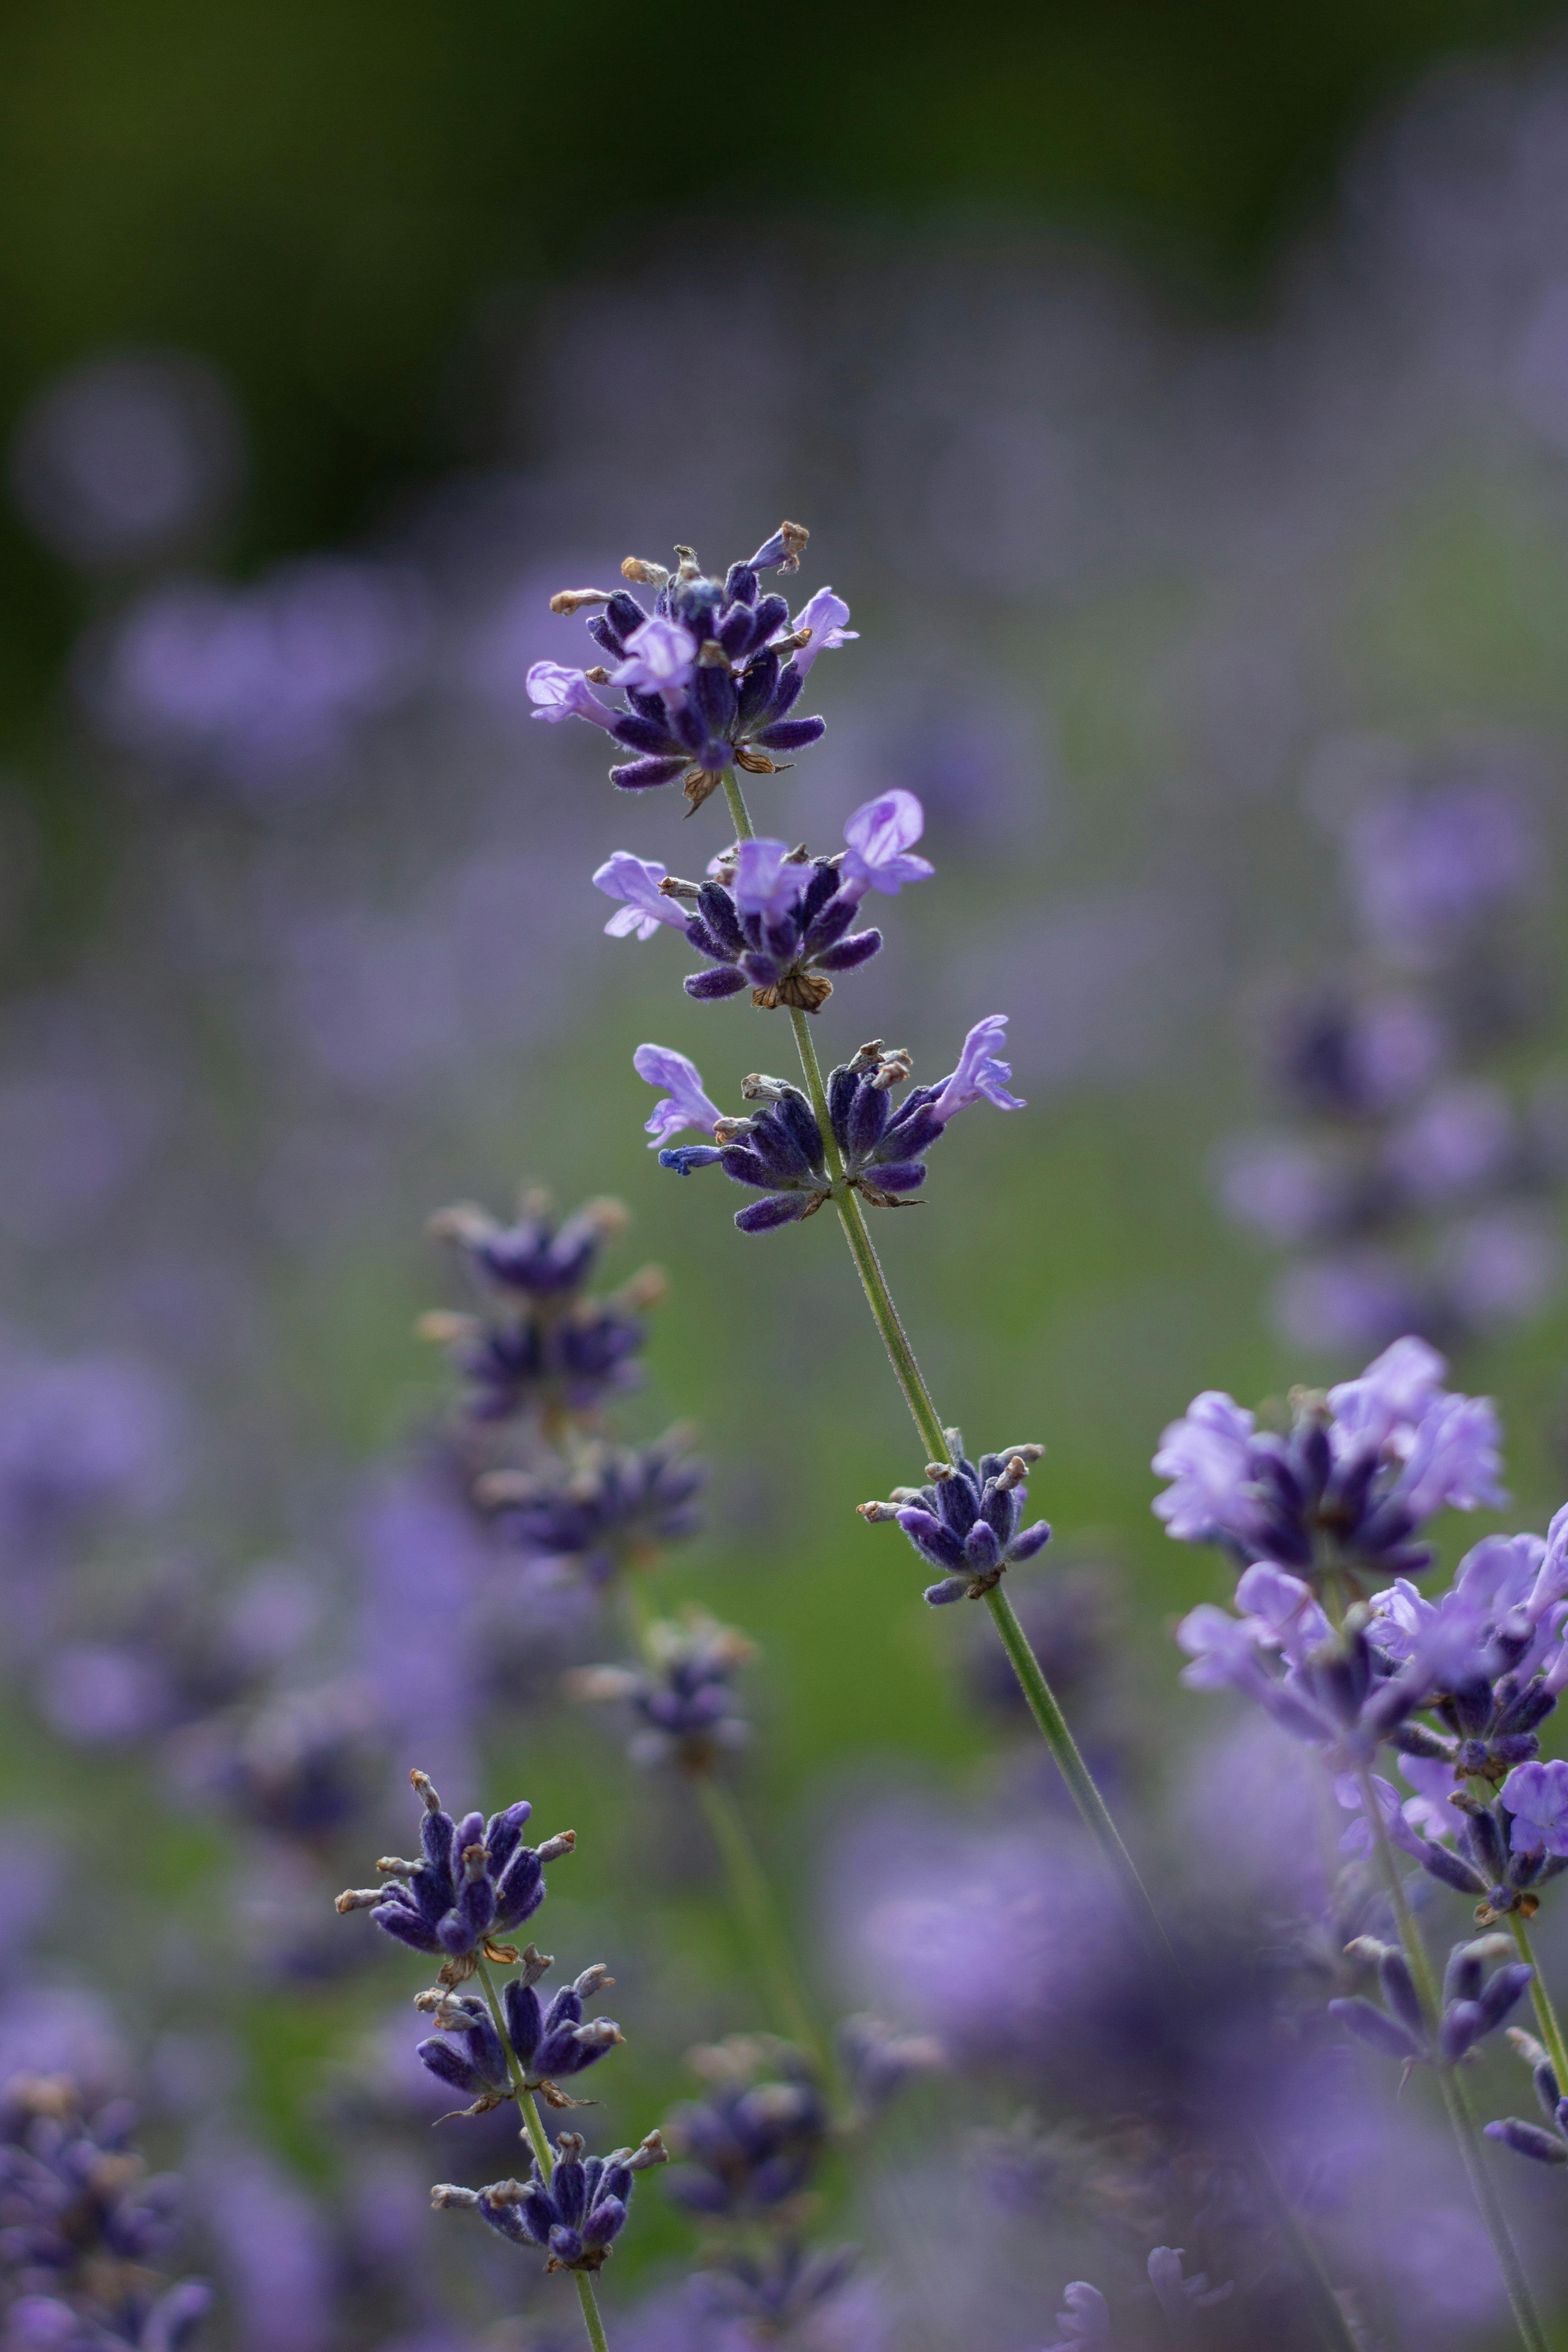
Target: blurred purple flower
(981,1076)
(686,1104)
(880,834)
(1537,1797)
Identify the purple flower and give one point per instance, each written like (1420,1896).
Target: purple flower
(1086,2321)
(635,881)
(823,616)
(969,1522)
(879,834)
(547,2043)
(980,1073)
(686,1105)
(1351,1483)
(1357,1840)
(559,693)
(765,883)
(578,2214)
(1537,1797)
(475,1879)
(709,675)
(1177,2296)
(660,657)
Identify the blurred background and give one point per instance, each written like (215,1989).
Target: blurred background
(1179,396)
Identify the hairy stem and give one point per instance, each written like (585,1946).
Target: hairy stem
(759,1917)
(1540,1999)
(539,2141)
(1456,2099)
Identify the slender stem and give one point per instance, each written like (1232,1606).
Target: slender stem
(1545,2014)
(1455,2097)
(759,1915)
(539,2141)
(740,815)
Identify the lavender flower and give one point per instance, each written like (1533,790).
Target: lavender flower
(477,1880)
(548,2044)
(681,1700)
(686,1105)
(637,883)
(1530,2140)
(1086,2320)
(542,1344)
(577,2214)
(781,1150)
(756,2140)
(711,676)
(1346,1491)
(1475,2003)
(968,1521)
(615,1506)
(80,2222)
(1537,1797)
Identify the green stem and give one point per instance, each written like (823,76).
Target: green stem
(1455,2097)
(740,815)
(1545,2014)
(759,1917)
(539,2141)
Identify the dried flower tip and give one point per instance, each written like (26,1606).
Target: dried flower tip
(652,2151)
(447,2193)
(730,1130)
(756,763)
(554,1847)
(689,567)
(595,1978)
(358,1898)
(444,1329)
(457,1969)
(598,675)
(395,1868)
(675,886)
(503,1955)
(645,575)
(572,600)
(648,1286)
(536,1964)
(795,536)
(875,1512)
(1525,2045)
(424,1790)
(432,2000)
(569,2145)
(939,1471)
(760,1088)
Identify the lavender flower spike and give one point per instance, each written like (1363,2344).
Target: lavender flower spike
(686,1105)
(559,693)
(879,834)
(822,619)
(980,1073)
(635,881)
(475,1880)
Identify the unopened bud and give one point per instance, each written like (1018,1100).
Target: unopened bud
(877,1513)
(572,600)
(358,1898)
(447,2193)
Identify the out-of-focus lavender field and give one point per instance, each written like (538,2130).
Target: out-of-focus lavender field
(1230,664)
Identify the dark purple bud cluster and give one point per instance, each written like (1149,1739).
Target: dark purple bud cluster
(709,672)
(540,1344)
(303,1766)
(774,2297)
(1529,2139)
(1481,1985)
(784,945)
(613,1505)
(683,1699)
(548,2044)
(81,2221)
(475,1880)
(578,2213)
(878,2061)
(756,2140)
(780,1152)
(969,1522)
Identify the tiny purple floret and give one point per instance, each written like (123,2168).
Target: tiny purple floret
(687,1105)
(879,834)
(560,693)
(635,881)
(981,1074)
